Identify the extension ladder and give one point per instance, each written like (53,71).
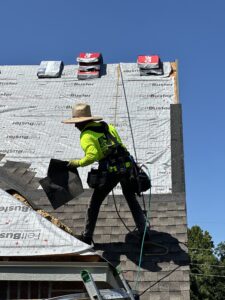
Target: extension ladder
(103,294)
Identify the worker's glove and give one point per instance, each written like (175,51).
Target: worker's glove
(73,164)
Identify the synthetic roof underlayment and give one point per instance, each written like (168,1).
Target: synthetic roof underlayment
(24,232)
(31,111)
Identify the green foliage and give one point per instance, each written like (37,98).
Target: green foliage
(220,251)
(207,266)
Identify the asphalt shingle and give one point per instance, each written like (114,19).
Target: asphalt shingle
(112,239)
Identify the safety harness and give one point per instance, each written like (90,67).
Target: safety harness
(118,159)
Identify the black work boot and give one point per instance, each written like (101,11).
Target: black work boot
(85,239)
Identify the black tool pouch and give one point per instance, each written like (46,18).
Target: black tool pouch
(143,181)
(97,178)
(140,180)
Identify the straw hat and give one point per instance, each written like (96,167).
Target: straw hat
(81,112)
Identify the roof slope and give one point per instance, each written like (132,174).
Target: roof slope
(151,105)
(114,242)
(32,110)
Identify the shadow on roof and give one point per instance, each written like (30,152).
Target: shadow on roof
(164,248)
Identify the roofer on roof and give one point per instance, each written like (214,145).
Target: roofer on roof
(101,142)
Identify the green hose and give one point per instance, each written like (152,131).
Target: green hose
(147,223)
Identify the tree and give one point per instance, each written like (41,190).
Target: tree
(220,251)
(207,266)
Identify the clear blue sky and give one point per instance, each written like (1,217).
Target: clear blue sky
(191,31)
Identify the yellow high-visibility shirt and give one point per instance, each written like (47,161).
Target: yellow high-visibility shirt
(95,145)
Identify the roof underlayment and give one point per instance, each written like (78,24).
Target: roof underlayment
(31,111)
(24,232)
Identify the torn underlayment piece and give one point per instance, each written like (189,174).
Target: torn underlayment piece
(23,232)
(48,69)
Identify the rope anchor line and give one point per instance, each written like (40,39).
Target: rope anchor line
(147,223)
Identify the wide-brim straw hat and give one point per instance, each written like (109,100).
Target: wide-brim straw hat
(81,112)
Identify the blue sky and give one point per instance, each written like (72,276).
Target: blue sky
(191,31)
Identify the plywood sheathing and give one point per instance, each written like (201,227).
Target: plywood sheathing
(174,74)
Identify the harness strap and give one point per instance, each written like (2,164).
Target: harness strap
(113,162)
(104,128)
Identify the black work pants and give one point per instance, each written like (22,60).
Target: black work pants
(100,194)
